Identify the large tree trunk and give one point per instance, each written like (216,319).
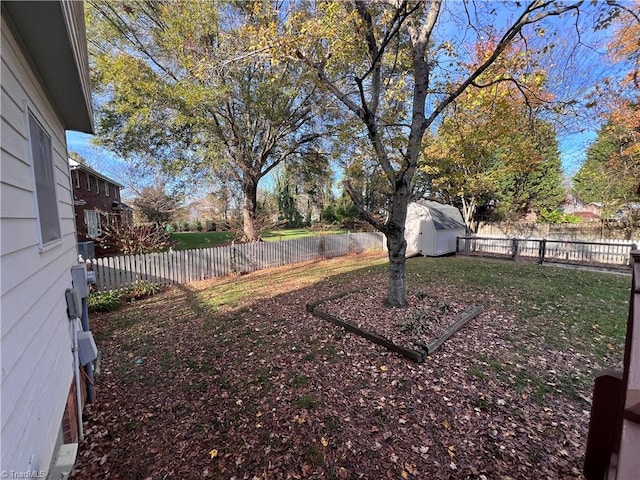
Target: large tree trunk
(469,212)
(397,245)
(249,204)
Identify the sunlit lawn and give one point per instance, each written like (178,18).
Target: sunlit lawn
(190,240)
(294,233)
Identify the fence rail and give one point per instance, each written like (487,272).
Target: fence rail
(175,267)
(612,253)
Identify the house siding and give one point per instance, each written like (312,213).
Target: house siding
(36,357)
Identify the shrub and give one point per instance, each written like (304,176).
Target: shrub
(210,225)
(104,301)
(111,300)
(129,239)
(140,290)
(555,216)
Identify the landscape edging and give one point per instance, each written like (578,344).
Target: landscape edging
(419,355)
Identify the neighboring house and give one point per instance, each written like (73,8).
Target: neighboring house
(571,204)
(594,207)
(45,91)
(587,217)
(97,200)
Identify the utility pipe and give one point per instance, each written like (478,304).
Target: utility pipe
(76,365)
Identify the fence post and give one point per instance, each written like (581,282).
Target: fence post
(541,250)
(234,258)
(514,249)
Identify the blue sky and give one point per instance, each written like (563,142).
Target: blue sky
(574,140)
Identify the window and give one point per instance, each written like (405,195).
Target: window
(88,181)
(76,176)
(106,189)
(92,221)
(97,185)
(43,169)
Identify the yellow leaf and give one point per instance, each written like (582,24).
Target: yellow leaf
(324,442)
(384,368)
(404,474)
(213,453)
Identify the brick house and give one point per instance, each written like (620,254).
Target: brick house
(93,193)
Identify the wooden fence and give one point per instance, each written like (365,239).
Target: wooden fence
(174,267)
(612,253)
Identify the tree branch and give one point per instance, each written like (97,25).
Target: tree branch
(364,213)
(525,19)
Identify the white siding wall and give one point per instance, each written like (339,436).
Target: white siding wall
(37,364)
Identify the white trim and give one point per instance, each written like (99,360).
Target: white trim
(92,222)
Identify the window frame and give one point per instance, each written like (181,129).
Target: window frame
(51,192)
(93,229)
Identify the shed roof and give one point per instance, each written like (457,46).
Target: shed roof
(444,217)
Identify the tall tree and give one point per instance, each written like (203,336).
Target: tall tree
(491,148)
(611,172)
(396,66)
(179,84)
(155,205)
(313,176)
(286,194)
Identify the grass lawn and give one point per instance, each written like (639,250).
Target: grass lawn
(293,233)
(190,240)
(233,378)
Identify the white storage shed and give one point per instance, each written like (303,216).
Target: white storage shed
(431,228)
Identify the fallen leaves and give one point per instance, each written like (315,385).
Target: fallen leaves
(313,401)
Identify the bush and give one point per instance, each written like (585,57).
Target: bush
(140,290)
(111,300)
(555,216)
(129,239)
(104,301)
(210,225)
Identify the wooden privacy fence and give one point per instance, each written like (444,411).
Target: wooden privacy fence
(610,253)
(174,267)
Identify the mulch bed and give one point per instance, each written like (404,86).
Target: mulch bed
(268,391)
(409,331)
